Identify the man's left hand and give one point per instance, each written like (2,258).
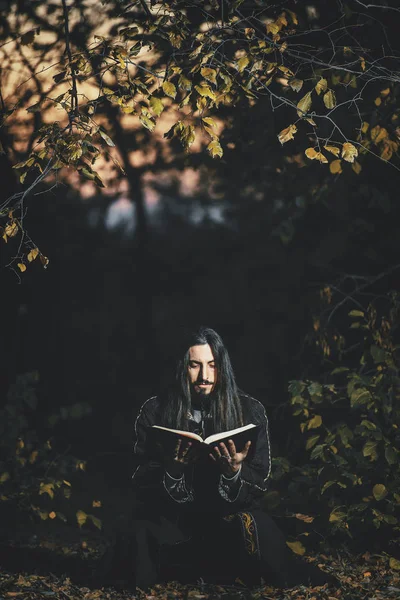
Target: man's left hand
(228,459)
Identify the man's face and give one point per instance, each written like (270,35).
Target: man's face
(202,369)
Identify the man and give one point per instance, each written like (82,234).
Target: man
(210,504)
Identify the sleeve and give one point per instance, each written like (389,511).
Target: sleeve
(252,479)
(150,477)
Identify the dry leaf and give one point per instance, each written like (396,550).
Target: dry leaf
(304,518)
(296,547)
(312,154)
(330,99)
(304,105)
(287,134)
(333,150)
(321,86)
(349,152)
(336,167)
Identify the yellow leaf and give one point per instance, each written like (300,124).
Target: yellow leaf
(147,122)
(21,267)
(205,91)
(296,547)
(365,127)
(96,503)
(33,254)
(356,167)
(81,517)
(378,101)
(330,99)
(273,28)
(4,477)
(293,16)
(242,63)
(47,488)
(333,150)
(43,515)
(304,105)
(156,105)
(379,491)
(11,229)
(209,74)
(304,518)
(362,63)
(315,422)
(349,152)
(214,148)
(52,515)
(169,89)
(33,456)
(385,92)
(335,167)
(287,134)
(321,86)
(209,121)
(378,134)
(394,563)
(336,515)
(184,83)
(312,154)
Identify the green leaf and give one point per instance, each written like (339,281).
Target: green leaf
(390,455)
(369,449)
(359,396)
(327,485)
(169,89)
(377,354)
(379,491)
(312,440)
(356,313)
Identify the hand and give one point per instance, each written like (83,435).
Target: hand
(185,453)
(228,459)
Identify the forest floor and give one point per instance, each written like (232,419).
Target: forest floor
(360,577)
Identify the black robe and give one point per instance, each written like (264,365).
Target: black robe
(215,525)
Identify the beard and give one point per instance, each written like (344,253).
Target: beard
(201,399)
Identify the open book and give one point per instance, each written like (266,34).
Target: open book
(168,438)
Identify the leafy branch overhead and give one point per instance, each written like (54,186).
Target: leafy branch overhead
(183,69)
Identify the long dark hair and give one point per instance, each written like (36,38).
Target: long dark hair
(225,409)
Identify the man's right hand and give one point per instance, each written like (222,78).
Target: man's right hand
(185,454)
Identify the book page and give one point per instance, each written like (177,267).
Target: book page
(219,436)
(188,434)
